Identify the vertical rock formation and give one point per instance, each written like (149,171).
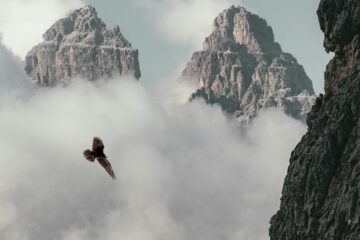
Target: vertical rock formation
(243,69)
(80,45)
(320,197)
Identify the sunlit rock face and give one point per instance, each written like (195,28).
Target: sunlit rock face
(80,45)
(243,69)
(320,197)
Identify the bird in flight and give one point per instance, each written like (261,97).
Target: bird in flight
(97,152)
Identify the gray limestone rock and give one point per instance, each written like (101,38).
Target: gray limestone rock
(243,69)
(321,193)
(80,45)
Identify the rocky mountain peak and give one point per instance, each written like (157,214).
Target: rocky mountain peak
(81,45)
(243,69)
(86,20)
(83,20)
(236,26)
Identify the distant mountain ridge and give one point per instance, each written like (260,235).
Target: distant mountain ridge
(80,45)
(243,69)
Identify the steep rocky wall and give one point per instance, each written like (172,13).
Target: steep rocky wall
(320,197)
(80,45)
(243,69)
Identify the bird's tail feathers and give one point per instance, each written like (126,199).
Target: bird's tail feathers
(89,155)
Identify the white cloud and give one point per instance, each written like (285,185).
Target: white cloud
(13,80)
(183,172)
(23,22)
(186,22)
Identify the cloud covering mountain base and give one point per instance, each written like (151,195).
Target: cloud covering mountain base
(184,171)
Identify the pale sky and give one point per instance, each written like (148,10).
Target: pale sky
(166,32)
(294,22)
(178,166)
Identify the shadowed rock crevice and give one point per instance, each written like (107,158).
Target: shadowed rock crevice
(320,197)
(243,69)
(80,45)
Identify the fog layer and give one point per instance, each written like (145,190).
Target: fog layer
(184,171)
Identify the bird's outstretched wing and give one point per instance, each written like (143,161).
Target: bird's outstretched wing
(106,164)
(89,155)
(97,144)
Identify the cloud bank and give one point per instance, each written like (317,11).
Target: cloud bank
(185,22)
(184,171)
(24,21)
(13,80)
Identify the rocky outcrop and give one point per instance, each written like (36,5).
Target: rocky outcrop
(321,194)
(243,69)
(80,45)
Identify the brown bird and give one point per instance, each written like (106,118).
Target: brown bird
(98,153)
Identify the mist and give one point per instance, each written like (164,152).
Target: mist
(185,22)
(184,170)
(13,80)
(22,22)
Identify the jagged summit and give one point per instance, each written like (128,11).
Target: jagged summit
(81,45)
(237,26)
(84,26)
(243,69)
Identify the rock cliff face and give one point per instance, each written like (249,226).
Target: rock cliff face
(320,198)
(243,69)
(80,45)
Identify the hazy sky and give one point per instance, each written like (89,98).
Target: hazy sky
(185,171)
(294,22)
(167,32)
